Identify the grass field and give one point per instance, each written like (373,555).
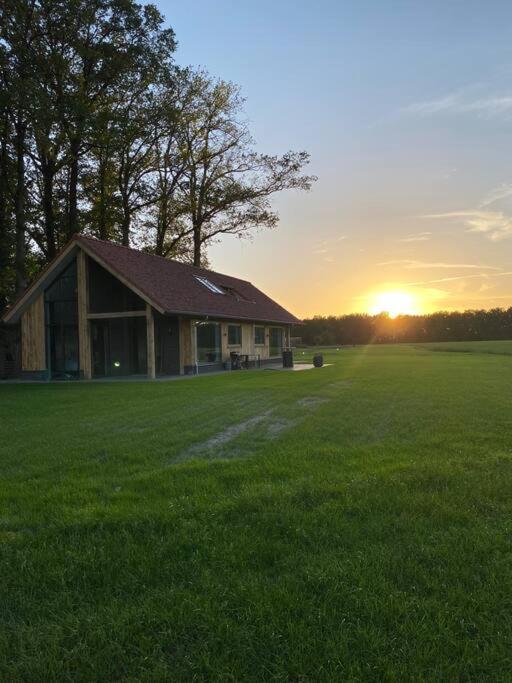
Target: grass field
(349,523)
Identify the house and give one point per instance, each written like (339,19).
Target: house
(103,310)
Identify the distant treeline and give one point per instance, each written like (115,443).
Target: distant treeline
(442,326)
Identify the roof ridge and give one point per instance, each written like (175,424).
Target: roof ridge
(80,236)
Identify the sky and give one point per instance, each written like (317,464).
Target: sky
(406,110)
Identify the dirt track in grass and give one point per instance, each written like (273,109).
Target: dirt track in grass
(266,426)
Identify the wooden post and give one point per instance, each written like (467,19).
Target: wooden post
(33,346)
(193,342)
(150,338)
(84,330)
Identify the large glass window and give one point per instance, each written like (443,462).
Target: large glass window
(119,347)
(208,343)
(108,295)
(234,335)
(61,312)
(259,335)
(276,341)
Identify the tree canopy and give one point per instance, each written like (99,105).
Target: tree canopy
(102,133)
(470,325)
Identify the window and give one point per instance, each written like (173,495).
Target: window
(209,285)
(62,324)
(276,341)
(119,347)
(234,335)
(259,336)
(208,343)
(108,295)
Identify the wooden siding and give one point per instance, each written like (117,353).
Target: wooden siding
(33,346)
(248,346)
(84,328)
(187,346)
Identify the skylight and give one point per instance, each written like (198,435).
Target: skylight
(209,285)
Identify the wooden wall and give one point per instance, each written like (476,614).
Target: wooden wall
(247,345)
(33,346)
(187,350)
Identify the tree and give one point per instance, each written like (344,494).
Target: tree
(224,186)
(440,326)
(96,47)
(101,133)
(167,230)
(65,70)
(18,31)
(6,208)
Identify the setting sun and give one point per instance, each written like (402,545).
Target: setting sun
(394,303)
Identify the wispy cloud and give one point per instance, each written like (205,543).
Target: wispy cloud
(326,246)
(496,225)
(416,237)
(463,101)
(501,192)
(443,280)
(449,173)
(410,264)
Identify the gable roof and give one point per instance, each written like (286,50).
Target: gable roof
(173,287)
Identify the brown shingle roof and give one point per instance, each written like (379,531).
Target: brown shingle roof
(172,286)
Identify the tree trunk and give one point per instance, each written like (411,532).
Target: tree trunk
(48,173)
(102,213)
(5,236)
(4,187)
(73,188)
(20,205)
(127,219)
(159,247)
(197,244)
(161,226)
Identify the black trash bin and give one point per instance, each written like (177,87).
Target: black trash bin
(287,358)
(318,360)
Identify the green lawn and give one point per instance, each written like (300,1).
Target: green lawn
(349,523)
(499,347)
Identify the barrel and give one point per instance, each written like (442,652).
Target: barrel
(318,360)
(287,358)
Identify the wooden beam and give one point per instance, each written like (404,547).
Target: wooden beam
(187,344)
(37,288)
(150,338)
(84,329)
(117,314)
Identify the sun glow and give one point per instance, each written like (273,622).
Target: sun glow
(394,303)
